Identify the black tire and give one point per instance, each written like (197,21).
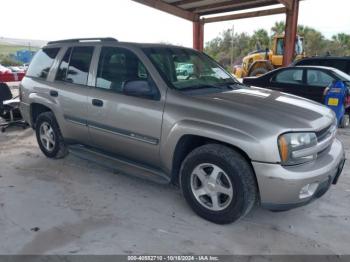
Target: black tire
(238,170)
(258,71)
(344,121)
(59,149)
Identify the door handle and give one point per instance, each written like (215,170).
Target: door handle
(53,93)
(97,102)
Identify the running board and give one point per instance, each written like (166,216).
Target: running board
(120,165)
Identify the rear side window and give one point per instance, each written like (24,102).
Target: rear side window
(42,62)
(74,67)
(291,76)
(318,78)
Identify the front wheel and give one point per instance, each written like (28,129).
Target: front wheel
(218,183)
(258,71)
(49,136)
(345,121)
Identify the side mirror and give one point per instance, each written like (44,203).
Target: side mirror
(139,88)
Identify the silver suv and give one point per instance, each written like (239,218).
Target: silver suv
(228,146)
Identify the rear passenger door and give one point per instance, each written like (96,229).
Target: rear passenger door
(290,80)
(317,80)
(72,91)
(125,125)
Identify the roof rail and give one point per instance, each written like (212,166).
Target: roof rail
(78,40)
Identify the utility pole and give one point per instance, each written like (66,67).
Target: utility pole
(232,45)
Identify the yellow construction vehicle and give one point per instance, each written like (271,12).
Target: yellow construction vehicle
(261,61)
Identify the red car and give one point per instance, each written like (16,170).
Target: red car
(6,75)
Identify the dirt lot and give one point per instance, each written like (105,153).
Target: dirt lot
(72,206)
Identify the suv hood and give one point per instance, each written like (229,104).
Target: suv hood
(267,109)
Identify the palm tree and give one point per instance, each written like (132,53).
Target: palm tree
(278,28)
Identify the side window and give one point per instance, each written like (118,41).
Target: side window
(63,68)
(74,67)
(291,76)
(116,66)
(280,46)
(318,78)
(42,62)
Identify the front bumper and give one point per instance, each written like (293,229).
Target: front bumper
(280,186)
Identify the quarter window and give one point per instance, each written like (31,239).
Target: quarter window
(116,66)
(292,76)
(74,67)
(42,62)
(318,78)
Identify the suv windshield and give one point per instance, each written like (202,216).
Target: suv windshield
(185,69)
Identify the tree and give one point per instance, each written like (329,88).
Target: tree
(278,28)
(260,39)
(315,43)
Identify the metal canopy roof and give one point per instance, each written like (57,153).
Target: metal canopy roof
(198,11)
(208,7)
(194,10)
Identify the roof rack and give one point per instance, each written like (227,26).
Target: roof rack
(79,40)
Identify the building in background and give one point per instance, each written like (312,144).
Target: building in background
(23,56)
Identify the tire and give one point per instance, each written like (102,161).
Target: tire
(57,149)
(344,121)
(258,71)
(234,172)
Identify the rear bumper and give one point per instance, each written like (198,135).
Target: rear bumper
(25,111)
(280,186)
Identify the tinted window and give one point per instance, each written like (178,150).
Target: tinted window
(117,65)
(74,67)
(293,76)
(318,78)
(339,64)
(42,62)
(63,68)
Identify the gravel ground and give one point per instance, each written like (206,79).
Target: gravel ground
(72,206)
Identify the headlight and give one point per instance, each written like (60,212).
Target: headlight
(293,148)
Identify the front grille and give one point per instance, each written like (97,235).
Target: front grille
(323,133)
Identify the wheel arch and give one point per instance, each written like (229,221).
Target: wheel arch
(35,110)
(188,142)
(260,64)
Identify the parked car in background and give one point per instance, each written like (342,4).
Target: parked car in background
(4,70)
(7,75)
(226,145)
(184,69)
(16,69)
(305,81)
(340,63)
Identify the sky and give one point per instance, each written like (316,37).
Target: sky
(129,21)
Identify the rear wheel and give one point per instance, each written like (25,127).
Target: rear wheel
(49,136)
(258,71)
(345,121)
(218,183)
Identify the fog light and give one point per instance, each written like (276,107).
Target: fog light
(308,190)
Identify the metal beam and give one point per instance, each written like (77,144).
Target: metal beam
(198,35)
(287,3)
(291,31)
(185,2)
(274,11)
(168,8)
(234,4)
